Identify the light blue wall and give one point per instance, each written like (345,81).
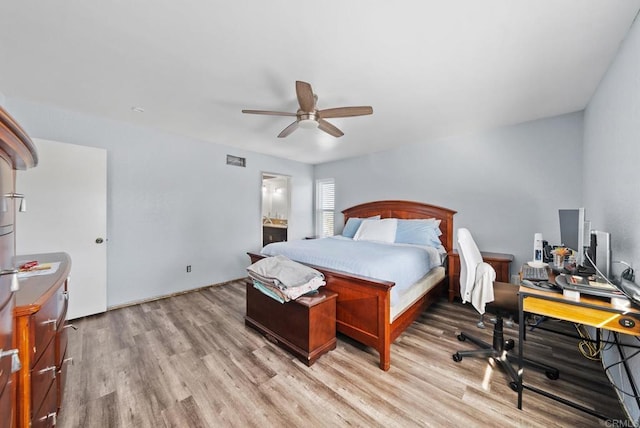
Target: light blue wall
(172,201)
(505,184)
(611,184)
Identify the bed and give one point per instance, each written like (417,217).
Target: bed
(364,310)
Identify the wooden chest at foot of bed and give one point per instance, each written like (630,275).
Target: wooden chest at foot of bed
(306,327)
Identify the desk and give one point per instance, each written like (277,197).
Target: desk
(589,311)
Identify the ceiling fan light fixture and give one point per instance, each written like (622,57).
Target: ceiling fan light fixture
(308,123)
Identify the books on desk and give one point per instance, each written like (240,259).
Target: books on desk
(584,286)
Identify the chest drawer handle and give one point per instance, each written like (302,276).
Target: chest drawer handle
(15,359)
(69,326)
(51,416)
(51,323)
(51,369)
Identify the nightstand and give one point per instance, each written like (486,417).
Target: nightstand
(500,262)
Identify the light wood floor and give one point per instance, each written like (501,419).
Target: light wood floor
(189,361)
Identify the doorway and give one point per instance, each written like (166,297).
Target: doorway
(276,195)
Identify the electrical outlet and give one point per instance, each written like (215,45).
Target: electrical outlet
(188,268)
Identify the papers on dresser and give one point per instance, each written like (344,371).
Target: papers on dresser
(41,269)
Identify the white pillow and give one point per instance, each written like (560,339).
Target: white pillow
(353,223)
(377,230)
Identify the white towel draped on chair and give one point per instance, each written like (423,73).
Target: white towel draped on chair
(476,276)
(482,292)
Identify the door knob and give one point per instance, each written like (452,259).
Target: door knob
(99,240)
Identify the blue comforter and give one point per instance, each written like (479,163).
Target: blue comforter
(400,263)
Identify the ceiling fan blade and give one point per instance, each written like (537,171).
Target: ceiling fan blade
(345,111)
(305,96)
(329,128)
(288,130)
(271,113)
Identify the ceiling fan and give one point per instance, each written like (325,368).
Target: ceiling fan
(308,116)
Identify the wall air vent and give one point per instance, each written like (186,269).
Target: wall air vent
(236,161)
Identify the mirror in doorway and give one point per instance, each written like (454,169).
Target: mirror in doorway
(275,207)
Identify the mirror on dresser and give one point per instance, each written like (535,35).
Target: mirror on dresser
(276,195)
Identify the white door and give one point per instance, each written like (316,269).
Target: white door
(66,196)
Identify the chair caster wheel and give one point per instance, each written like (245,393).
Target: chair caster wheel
(514,386)
(552,374)
(457,357)
(461,338)
(509,344)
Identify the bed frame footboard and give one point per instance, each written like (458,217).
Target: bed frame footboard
(363,309)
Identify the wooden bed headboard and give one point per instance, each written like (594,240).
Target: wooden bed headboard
(407,210)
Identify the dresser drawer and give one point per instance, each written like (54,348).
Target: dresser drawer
(43,375)
(5,288)
(6,187)
(6,342)
(45,416)
(62,378)
(6,405)
(61,344)
(63,304)
(45,322)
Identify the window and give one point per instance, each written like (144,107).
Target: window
(325,205)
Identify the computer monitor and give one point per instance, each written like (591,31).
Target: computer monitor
(572,231)
(600,253)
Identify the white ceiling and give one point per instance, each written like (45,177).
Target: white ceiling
(430,69)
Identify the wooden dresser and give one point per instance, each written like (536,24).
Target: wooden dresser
(40,315)
(500,262)
(17,151)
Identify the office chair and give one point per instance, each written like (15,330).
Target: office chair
(478,286)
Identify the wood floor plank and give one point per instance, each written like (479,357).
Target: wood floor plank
(101,412)
(189,361)
(185,413)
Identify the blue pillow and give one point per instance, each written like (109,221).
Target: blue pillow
(353,224)
(419,232)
